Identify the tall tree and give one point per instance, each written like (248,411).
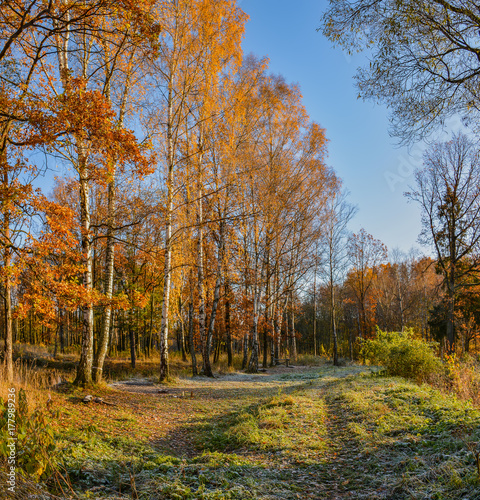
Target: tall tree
(198,39)
(448,192)
(335,262)
(84,132)
(27,31)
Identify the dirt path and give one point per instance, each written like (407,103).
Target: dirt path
(193,400)
(349,464)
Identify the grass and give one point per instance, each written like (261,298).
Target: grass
(288,425)
(316,432)
(417,434)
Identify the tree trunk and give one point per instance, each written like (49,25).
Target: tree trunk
(334,323)
(131,331)
(228,328)
(62,331)
(7,284)
(109,267)
(206,367)
(216,298)
(450,347)
(8,320)
(84,369)
(334,328)
(245,351)
(191,343)
(315,313)
(294,338)
(218,345)
(164,364)
(253,362)
(278,335)
(291,331)
(150,328)
(182,341)
(268,305)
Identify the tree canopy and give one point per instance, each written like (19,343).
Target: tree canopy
(424,57)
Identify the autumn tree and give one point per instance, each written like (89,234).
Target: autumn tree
(80,122)
(28,30)
(335,255)
(286,190)
(123,80)
(366,254)
(424,57)
(197,41)
(207,107)
(447,190)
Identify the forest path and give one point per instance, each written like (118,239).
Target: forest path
(350,471)
(319,433)
(330,473)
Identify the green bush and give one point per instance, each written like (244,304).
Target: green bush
(35,447)
(403,355)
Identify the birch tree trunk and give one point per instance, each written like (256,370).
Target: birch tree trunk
(253,362)
(293,339)
(228,326)
(164,364)
(109,267)
(315,303)
(273,342)
(267,310)
(246,340)
(206,368)
(334,322)
(84,369)
(191,343)
(278,334)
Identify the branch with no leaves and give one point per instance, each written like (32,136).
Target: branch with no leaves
(93,399)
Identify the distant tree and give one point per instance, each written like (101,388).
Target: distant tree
(366,254)
(448,192)
(338,215)
(406,289)
(424,60)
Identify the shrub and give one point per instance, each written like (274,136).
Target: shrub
(35,441)
(403,355)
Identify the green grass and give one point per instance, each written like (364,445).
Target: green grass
(288,425)
(421,436)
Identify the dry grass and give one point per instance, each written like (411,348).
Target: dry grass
(36,382)
(462,377)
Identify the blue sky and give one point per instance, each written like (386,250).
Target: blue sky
(372,167)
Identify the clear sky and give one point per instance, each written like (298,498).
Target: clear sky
(365,157)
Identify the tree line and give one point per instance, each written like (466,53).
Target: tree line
(195,206)
(195,182)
